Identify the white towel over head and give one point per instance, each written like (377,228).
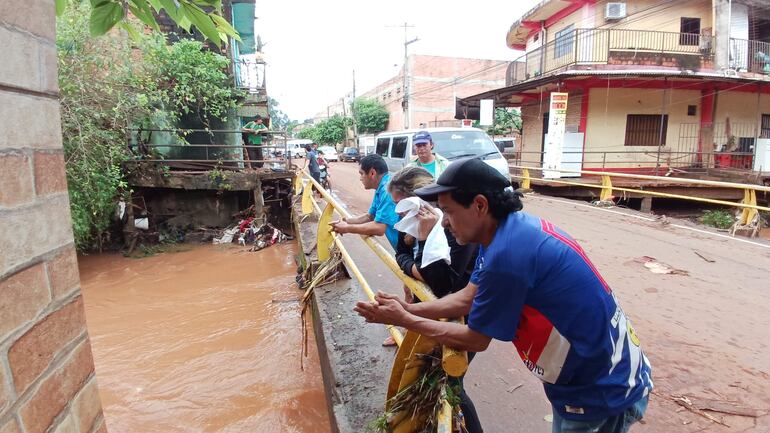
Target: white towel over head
(436,245)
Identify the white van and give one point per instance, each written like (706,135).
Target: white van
(297,147)
(451,143)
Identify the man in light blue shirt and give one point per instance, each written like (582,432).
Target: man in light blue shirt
(379,220)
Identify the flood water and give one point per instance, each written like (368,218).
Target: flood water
(205,340)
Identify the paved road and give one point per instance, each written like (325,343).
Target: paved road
(705,327)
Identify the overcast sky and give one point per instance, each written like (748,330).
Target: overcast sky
(312,47)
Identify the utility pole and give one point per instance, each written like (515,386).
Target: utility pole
(353,111)
(344,115)
(405,72)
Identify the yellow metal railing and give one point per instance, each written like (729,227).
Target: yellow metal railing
(454,362)
(749,206)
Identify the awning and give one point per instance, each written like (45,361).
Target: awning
(243,21)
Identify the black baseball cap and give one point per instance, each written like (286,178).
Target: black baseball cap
(471,174)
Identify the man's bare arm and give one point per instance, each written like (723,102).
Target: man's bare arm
(454,335)
(456,304)
(360,219)
(389,309)
(371,228)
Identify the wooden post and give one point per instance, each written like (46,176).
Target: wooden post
(259,204)
(646,205)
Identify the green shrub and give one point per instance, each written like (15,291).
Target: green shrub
(720,219)
(111,83)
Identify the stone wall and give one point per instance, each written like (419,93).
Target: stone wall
(47,380)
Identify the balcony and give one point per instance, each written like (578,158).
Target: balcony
(590,49)
(249,73)
(750,56)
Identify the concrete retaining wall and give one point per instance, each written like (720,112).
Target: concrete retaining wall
(355,366)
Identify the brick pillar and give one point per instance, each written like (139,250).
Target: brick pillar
(47,381)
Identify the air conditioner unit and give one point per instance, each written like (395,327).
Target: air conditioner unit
(615,11)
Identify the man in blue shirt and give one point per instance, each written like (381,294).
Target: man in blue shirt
(532,285)
(311,156)
(373,173)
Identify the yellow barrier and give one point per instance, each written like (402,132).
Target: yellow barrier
(454,362)
(748,205)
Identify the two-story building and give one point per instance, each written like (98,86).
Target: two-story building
(650,83)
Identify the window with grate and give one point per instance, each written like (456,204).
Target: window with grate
(765,132)
(646,129)
(398,150)
(689,30)
(564,41)
(382,146)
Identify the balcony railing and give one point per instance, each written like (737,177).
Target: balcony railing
(750,56)
(249,74)
(587,48)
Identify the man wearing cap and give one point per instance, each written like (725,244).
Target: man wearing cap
(423,146)
(373,173)
(532,285)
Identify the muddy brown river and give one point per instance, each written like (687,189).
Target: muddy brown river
(204,340)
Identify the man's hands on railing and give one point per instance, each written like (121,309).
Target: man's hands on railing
(386,308)
(340,226)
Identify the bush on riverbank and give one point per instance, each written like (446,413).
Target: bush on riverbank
(111,83)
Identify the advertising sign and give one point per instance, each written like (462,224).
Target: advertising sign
(554,143)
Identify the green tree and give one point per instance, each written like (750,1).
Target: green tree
(108,84)
(308,133)
(194,79)
(332,130)
(507,121)
(278,119)
(371,116)
(101,87)
(205,15)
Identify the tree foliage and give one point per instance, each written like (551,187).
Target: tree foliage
(330,131)
(107,84)
(106,14)
(370,115)
(506,122)
(307,133)
(279,120)
(193,79)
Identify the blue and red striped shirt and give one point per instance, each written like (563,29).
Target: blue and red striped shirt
(538,289)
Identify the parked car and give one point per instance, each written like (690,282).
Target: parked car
(451,143)
(507,145)
(330,153)
(350,154)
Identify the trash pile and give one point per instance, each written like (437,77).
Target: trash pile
(247,233)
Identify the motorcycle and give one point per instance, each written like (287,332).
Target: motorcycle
(322,166)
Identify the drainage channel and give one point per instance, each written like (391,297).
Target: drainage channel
(203,340)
